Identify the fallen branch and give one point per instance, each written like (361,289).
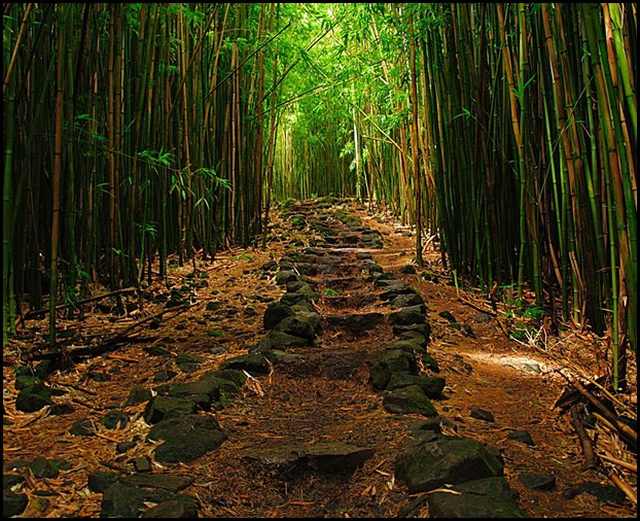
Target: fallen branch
(632,467)
(620,426)
(79,303)
(585,441)
(624,487)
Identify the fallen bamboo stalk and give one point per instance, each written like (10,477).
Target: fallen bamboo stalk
(624,487)
(585,441)
(80,302)
(632,467)
(620,426)
(476,307)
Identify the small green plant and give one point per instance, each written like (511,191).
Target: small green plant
(328,292)
(215,333)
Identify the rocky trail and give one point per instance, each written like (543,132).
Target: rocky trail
(340,382)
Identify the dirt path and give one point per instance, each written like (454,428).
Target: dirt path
(311,398)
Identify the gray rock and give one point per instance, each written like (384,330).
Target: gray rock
(13,504)
(538,481)
(482,414)
(408,315)
(142,464)
(356,324)
(138,394)
(33,398)
(285,276)
(483,498)
(253,363)
(335,457)
(430,465)
(165,429)
(101,481)
(522,436)
(181,507)
(430,363)
(115,420)
(388,362)
(82,428)
(276,312)
(120,500)
(409,299)
(187,446)
(432,386)
(407,400)
(163,407)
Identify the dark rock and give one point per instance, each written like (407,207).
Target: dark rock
(115,420)
(276,312)
(138,394)
(163,407)
(481,414)
(44,369)
(482,317)
(188,363)
(389,362)
(408,299)
(168,482)
(120,500)
(82,428)
(521,436)
(142,464)
(408,269)
(538,481)
(298,326)
(270,265)
(433,424)
(26,380)
(125,446)
(44,468)
(467,330)
(101,481)
(430,363)
(392,288)
(187,446)
(356,324)
(253,363)
(408,315)
(336,457)
(60,409)
(33,398)
(168,428)
(13,504)
(237,377)
(285,276)
(430,465)
(431,385)
(277,339)
(98,376)
(156,351)
(448,316)
(11,480)
(181,507)
(407,400)
(605,493)
(482,498)
(164,376)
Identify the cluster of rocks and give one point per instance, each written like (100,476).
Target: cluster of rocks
(395,371)
(291,321)
(172,411)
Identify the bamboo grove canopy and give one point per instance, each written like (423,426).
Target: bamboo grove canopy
(133,131)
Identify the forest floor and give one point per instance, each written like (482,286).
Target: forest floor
(308,397)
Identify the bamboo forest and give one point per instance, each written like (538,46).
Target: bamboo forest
(319,260)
